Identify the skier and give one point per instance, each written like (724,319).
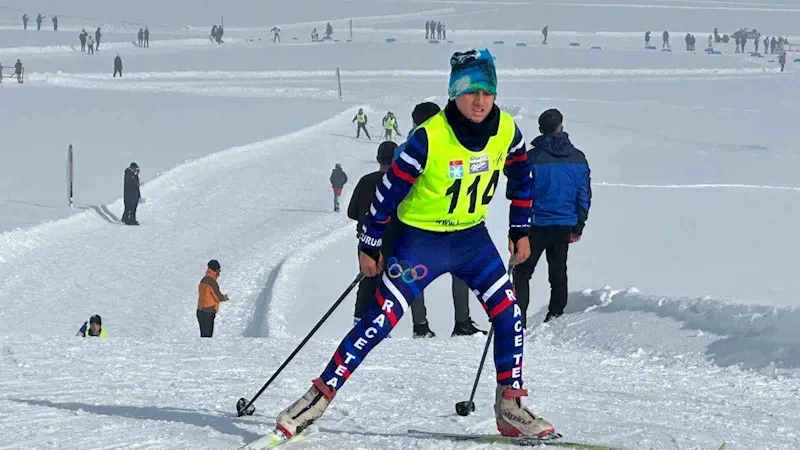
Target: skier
(55,23)
(82,38)
(361,119)
(338,180)
(117,66)
(208,299)
(18,70)
(276,34)
(25,21)
(97,36)
(390,125)
(467,144)
(545,30)
(562,195)
(92,328)
(90,45)
(131,194)
(146,37)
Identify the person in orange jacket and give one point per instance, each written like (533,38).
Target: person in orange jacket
(209,298)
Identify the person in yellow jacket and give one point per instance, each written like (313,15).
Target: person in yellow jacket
(93,328)
(209,298)
(389,126)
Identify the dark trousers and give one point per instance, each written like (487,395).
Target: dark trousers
(554,242)
(117,71)
(129,216)
(206,321)
(358,131)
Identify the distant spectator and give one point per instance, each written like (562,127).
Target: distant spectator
(93,328)
(118,66)
(338,180)
(131,194)
(209,298)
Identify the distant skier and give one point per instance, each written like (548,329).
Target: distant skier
(92,328)
(25,21)
(361,119)
(338,179)
(545,30)
(665,39)
(55,23)
(82,37)
(18,70)
(146,37)
(467,144)
(39,19)
(209,297)
(276,34)
(97,36)
(389,123)
(117,66)
(131,194)
(562,195)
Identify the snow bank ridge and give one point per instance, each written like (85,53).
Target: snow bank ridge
(744,335)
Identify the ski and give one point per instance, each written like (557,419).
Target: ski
(521,441)
(273,439)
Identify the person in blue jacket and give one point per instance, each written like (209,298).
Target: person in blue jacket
(562,195)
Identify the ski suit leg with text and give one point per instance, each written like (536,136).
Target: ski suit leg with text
(420,257)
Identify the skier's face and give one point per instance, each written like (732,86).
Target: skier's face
(475,106)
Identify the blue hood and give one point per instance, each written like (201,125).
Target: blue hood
(557,145)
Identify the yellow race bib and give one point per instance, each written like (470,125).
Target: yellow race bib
(454,190)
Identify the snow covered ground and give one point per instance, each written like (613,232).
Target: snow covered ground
(682,323)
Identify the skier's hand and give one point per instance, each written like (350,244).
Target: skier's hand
(519,252)
(368,265)
(573,238)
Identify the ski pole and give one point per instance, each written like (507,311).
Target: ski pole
(243,406)
(466,407)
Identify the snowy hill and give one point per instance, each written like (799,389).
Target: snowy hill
(681,326)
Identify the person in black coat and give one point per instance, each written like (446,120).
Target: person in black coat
(117,66)
(131,194)
(338,180)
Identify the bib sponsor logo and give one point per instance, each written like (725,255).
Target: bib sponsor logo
(457,169)
(478,164)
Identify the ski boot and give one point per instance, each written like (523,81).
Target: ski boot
(513,419)
(466,328)
(305,411)
(422,330)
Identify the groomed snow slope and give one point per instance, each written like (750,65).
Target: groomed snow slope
(694,186)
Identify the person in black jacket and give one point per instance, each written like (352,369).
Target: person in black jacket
(358,209)
(338,180)
(131,194)
(117,66)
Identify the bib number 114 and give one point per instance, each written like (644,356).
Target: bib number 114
(472,192)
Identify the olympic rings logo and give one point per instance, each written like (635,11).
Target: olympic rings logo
(405,271)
